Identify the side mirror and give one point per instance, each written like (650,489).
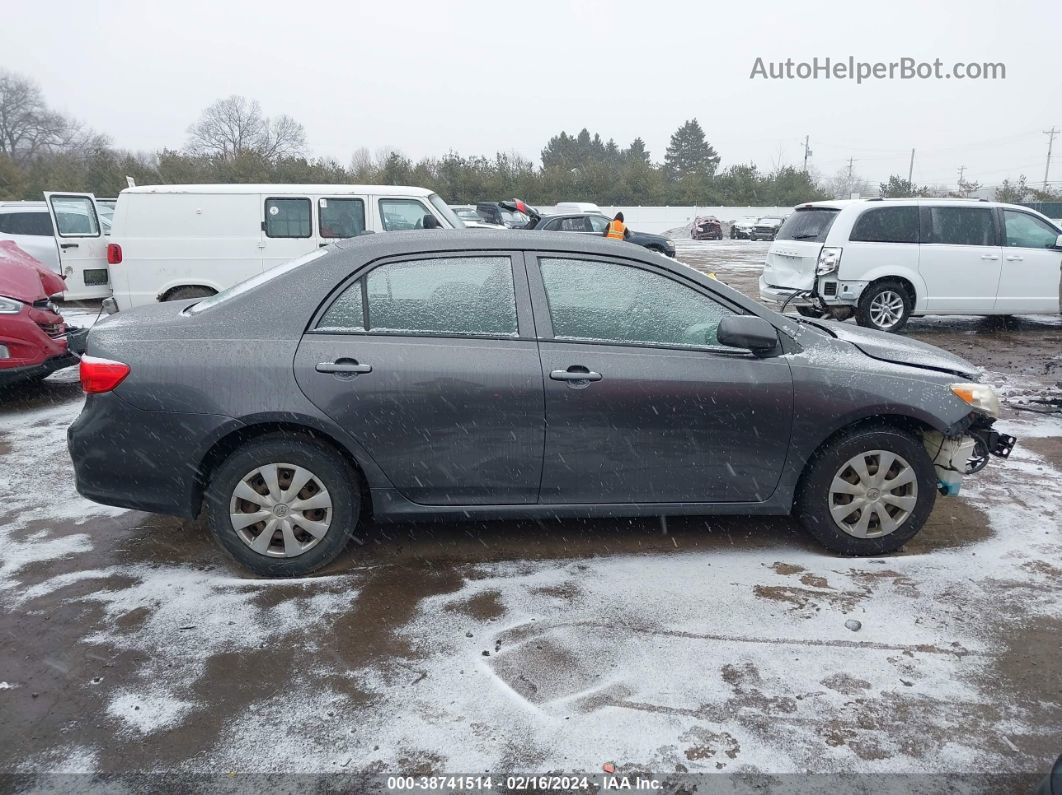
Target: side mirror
(1058,242)
(748,331)
(430,222)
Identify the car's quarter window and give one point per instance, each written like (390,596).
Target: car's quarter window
(1028,231)
(886,225)
(75,216)
(340,218)
(962,226)
(399,214)
(288,218)
(598,223)
(36,224)
(448,296)
(600,301)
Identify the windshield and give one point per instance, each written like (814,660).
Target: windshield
(445,211)
(254,281)
(809,224)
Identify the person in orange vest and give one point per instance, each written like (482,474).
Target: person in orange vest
(616,229)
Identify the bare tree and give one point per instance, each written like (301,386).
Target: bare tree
(235,126)
(29,128)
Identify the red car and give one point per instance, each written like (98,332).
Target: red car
(34,339)
(706,227)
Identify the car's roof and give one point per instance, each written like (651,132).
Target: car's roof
(390,190)
(840,204)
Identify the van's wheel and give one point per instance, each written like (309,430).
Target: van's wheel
(885,306)
(182,293)
(868,493)
(283,505)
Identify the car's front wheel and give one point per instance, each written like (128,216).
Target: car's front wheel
(885,306)
(282,505)
(868,493)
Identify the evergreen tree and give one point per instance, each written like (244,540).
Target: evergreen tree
(690,153)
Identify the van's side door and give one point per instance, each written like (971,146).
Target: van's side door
(340,217)
(1030,281)
(960,258)
(82,244)
(287,228)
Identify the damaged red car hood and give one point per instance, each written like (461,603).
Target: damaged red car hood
(24,278)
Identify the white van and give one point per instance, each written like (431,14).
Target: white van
(170,242)
(885,260)
(67,232)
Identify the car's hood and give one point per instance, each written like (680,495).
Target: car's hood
(24,278)
(899,350)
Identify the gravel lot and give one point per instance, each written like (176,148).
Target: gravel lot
(129,644)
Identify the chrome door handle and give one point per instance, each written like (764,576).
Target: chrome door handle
(343,367)
(68,245)
(1014,259)
(575,373)
(989,256)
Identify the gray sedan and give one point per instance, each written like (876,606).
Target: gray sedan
(501,374)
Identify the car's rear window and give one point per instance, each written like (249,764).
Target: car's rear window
(255,281)
(808,224)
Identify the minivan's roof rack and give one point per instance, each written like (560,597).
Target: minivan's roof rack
(926,198)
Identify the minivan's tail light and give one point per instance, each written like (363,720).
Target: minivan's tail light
(829,260)
(101,375)
(114,254)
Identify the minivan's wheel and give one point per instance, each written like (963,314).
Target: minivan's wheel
(868,493)
(885,306)
(182,293)
(283,505)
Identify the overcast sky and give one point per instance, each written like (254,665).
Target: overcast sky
(478,77)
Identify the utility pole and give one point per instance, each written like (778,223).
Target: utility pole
(849,184)
(962,170)
(807,152)
(1050,141)
(910,170)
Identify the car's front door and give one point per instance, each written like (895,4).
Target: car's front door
(431,364)
(960,259)
(1030,281)
(643,405)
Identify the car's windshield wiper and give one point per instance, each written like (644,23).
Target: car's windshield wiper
(803,237)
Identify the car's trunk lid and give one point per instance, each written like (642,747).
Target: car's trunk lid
(791,263)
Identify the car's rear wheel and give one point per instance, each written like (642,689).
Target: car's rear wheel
(283,506)
(868,493)
(885,306)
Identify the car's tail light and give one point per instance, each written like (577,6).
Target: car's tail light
(114,254)
(829,260)
(101,375)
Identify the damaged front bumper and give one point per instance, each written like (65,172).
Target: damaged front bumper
(965,452)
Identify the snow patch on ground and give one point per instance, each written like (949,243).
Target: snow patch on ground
(148,712)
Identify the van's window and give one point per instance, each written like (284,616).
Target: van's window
(452,296)
(962,226)
(1028,231)
(75,216)
(810,224)
(39,224)
(399,214)
(605,301)
(255,281)
(287,218)
(341,217)
(886,225)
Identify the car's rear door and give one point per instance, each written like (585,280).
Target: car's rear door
(1031,278)
(960,258)
(431,363)
(642,403)
(82,244)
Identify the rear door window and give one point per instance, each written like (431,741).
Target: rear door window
(886,225)
(452,296)
(399,214)
(288,218)
(962,226)
(75,216)
(811,224)
(340,218)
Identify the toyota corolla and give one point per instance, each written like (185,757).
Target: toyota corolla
(491,375)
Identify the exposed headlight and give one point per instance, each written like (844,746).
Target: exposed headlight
(829,260)
(9,306)
(980,396)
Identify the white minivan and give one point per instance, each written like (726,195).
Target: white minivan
(885,260)
(67,232)
(170,242)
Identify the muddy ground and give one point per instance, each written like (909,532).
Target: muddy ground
(130,644)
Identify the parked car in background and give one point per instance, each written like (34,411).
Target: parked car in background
(595,224)
(706,227)
(741,229)
(67,234)
(884,261)
(476,376)
(172,242)
(503,214)
(766,228)
(471,219)
(576,207)
(34,339)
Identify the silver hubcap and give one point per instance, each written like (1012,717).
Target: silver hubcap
(886,309)
(280,510)
(873,494)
